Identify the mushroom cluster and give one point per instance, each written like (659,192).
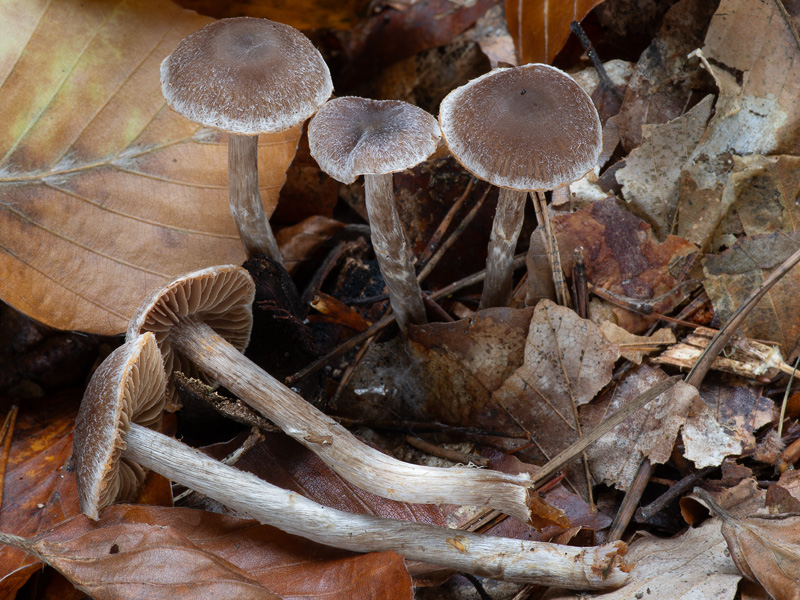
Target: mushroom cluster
(525,129)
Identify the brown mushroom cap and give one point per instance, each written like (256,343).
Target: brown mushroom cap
(221,297)
(526,128)
(127,388)
(246,76)
(352,136)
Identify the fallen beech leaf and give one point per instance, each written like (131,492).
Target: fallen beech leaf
(252,556)
(106,193)
(39,489)
(311,14)
(766,550)
(651,176)
(693,565)
(147,560)
(784,495)
(622,257)
(540,28)
(733,275)
(567,361)
(650,432)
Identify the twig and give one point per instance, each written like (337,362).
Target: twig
(543,216)
(354,341)
(6,434)
(645,513)
(596,62)
(631,500)
(580,283)
(430,426)
(437,236)
(452,455)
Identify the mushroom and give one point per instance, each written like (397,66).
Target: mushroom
(351,136)
(204,318)
(246,76)
(523,129)
(110,443)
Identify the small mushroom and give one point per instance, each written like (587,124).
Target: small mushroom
(523,129)
(351,136)
(196,317)
(246,76)
(110,441)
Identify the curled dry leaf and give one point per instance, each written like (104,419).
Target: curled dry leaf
(635,347)
(301,241)
(105,194)
(766,550)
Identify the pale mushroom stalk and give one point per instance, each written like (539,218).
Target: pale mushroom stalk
(351,136)
(506,227)
(500,558)
(355,461)
(389,242)
(245,199)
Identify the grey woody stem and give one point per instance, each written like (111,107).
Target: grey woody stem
(500,558)
(391,248)
(356,462)
(506,227)
(245,199)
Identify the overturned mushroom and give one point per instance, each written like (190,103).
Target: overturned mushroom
(349,137)
(524,129)
(131,383)
(203,318)
(246,76)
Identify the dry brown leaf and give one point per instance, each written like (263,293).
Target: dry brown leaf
(105,194)
(694,565)
(722,424)
(245,555)
(651,176)
(540,28)
(39,489)
(567,361)
(311,14)
(752,50)
(733,275)
(147,559)
(783,496)
(622,257)
(635,347)
(650,432)
(665,80)
(300,242)
(766,550)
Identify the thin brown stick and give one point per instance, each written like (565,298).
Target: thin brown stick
(6,434)
(453,238)
(646,512)
(543,216)
(436,238)
(452,455)
(631,500)
(720,340)
(580,283)
(376,328)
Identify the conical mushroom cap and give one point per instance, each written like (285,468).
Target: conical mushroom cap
(525,128)
(128,387)
(246,76)
(351,136)
(222,297)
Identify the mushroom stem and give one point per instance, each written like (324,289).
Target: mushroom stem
(499,558)
(356,462)
(391,249)
(245,199)
(506,227)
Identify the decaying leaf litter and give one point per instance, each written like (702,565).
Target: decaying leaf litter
(688,217)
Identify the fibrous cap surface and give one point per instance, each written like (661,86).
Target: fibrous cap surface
(352,136)
(128,387)
(526,128)
(246,76)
